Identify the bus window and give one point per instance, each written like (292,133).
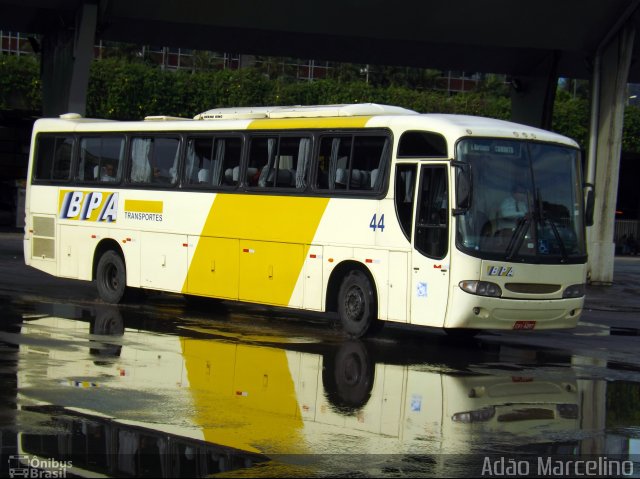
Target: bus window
(432,217)
(261,153)
(278,162)
(207,160)
(422,144)
(154,160)
(100,159)
(199,161)
(404,193)
(351,162)
(53,161)
(367,161)
(227,158)
(334,158)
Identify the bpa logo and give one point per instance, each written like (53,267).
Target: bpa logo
(500,271)
(89,205)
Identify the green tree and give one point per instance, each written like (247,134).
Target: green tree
(571,116)
(129,90)
(20,86)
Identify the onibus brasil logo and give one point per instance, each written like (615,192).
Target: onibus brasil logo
(23,465)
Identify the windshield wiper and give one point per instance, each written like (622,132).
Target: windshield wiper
(518,236)
(554,228)
(556,233)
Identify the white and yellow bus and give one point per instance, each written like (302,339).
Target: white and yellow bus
(372,212)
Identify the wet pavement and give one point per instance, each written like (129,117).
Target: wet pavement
(165,388)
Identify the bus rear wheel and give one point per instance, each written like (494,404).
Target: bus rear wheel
(111,277)
(357,306)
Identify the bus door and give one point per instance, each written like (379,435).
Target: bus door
(430,254)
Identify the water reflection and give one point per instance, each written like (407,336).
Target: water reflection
(107,322)
(117,396)
(11,323)
(107,446)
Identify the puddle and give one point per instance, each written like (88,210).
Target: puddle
(109,391)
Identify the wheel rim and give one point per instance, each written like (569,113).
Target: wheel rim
(352,370)
(354,303)
(110,279)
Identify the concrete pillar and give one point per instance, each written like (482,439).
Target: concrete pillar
(614,62)
(592,396)
(66,57)
(532,96)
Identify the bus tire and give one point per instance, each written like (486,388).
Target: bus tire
(347,377)
(357,305)
(111,277)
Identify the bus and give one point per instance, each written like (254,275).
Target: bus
(372,213)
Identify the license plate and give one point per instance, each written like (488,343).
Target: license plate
(524,325)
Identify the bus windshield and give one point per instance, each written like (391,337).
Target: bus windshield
(525,204)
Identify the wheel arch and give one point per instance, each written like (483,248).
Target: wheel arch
(335,280)
(104,246)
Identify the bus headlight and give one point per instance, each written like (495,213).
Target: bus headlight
(481,288)
(568,411)
(480,415)
(574,291)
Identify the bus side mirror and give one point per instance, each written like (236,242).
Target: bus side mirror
(463,187)
(589,205)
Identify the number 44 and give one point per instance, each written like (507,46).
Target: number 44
(375,223)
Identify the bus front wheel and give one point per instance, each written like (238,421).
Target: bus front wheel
(357,306)
(111,277)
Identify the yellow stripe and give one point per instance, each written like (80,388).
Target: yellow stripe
(244,396)
(269,218)
(263,242)
(142,206)
(302,123)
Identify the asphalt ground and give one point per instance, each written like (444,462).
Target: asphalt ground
(617,304)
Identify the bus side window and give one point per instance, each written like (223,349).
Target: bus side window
(405,181)
(165,158)
(89,163)
(278,162)
(62,159)
(140,167)
(289,168)
(154,160)
(228,152)
(197,165)
(332,173)
(369,154)
(100,158)
(262,153)
(422,144)
(352,163)
(53,160)
(432,225)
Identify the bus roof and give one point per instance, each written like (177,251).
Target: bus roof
(301,111)
(302,117)
(455,126)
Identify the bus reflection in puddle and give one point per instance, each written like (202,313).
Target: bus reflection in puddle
(148,403)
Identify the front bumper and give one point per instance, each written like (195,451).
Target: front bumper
(482,312)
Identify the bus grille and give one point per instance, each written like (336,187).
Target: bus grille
(44,245)
(532,288)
